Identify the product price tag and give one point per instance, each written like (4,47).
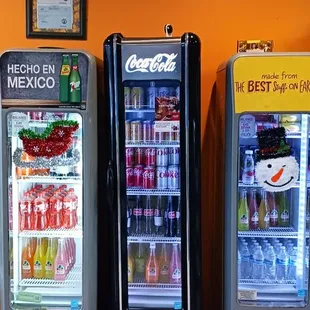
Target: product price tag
(247,126)
(19,121)
(247,294)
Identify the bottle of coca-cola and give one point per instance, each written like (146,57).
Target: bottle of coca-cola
(159,213)
(148,213)
(137,214)
(128,219)
(178,218)
(170,219)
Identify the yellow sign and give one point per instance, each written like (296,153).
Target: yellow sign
(272,83)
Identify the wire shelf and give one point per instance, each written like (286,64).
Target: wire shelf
(143,110)
(241,185)
(73,279)
(51,179)
(76,232)
(140,284)
(132,191)
(143,238)
(273,232)
(266,282)
(153,144)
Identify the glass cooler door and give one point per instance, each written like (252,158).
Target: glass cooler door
(273,224)
(45,208)
(152,134)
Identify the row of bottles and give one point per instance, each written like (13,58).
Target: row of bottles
(262,211)
(154,267)
(50,258)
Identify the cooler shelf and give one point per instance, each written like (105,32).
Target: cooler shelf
(153,144)
(273,232)
(145,110)
(132,191)
(50,180)
(73,279)
(135,238)
(296,185)
(266,282)
(76,232)
(152,286)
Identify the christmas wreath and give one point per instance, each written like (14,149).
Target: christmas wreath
(54,141)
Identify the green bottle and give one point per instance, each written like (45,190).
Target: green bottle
(243,212)
(284,211)
(64,79)
(75,81)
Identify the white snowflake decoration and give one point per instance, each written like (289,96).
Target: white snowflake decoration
(277,174)
(36,149)
(61,133)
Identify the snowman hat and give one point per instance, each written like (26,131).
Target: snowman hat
(272,144)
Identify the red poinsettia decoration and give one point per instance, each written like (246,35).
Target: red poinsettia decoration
(54,141)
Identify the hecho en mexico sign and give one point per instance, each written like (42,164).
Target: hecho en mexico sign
(43,76)
(151,62)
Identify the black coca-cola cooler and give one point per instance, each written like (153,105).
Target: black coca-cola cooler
(153,178)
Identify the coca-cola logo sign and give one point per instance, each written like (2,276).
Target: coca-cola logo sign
(162,173)
(150,152)
(162,62)
(148,175)
(129,171)
(138,171)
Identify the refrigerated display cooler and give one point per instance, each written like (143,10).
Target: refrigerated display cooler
(267,191)
(48,219)
(153,89)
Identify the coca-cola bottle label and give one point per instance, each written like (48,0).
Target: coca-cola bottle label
(148,212)
(171,214)
(137,211)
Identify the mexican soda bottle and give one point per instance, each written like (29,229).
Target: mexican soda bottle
(263,212)
(64,79)
(284,212)
(27,261)
(75,81)
(50,260)
(152,267)
(130,264)
(25,210)
(253,210)
(274,214)
(39,261)
(175,265)
(148,213)
(140,261)
(159,216)
(243,212)
(164,274)
(137,215)
(40,212)
(60,262)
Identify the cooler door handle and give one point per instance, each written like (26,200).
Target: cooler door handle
(110,184)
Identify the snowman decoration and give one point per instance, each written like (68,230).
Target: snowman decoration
(276,169)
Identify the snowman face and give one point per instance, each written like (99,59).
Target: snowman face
(277,174)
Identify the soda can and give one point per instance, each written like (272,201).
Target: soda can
(174,156)
(174,136)
(149,178)
(152,93)
(162,177)
(129,177)
(163,92)
(138,176)
(139,156)
(136,131)
(150,156)
(137,98)
(162,157)
(177,92)
(148,131)
(173,177)
(130,156)
(161,136)
(127,99)
(127,131)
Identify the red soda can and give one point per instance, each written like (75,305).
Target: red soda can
(149,177)
(129,177)
(130,156)
(148,129)
(173,177)
(139,156)
(138,176)
(150,156)
(162,177)
(161,136)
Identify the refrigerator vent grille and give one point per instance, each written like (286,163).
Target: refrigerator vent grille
(73,279)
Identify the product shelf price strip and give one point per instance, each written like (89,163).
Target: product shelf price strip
(152,238)
(132,191)
(153,144)
(76,232)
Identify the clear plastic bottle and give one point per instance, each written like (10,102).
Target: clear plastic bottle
(239,265)
(252,251)
(248,168)
(282,264)
(245,266)
(258,268)
(307,263)
(270,264)
(292,264)
(277,247)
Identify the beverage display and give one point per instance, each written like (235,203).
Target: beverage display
(75,87)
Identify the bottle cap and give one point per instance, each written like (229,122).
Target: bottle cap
(248,152)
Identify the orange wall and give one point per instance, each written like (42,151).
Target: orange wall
(219,24)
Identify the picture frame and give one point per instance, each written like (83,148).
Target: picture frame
(56,19)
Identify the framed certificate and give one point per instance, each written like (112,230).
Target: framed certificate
(57,19)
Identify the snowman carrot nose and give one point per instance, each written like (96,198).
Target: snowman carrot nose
(275,178)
